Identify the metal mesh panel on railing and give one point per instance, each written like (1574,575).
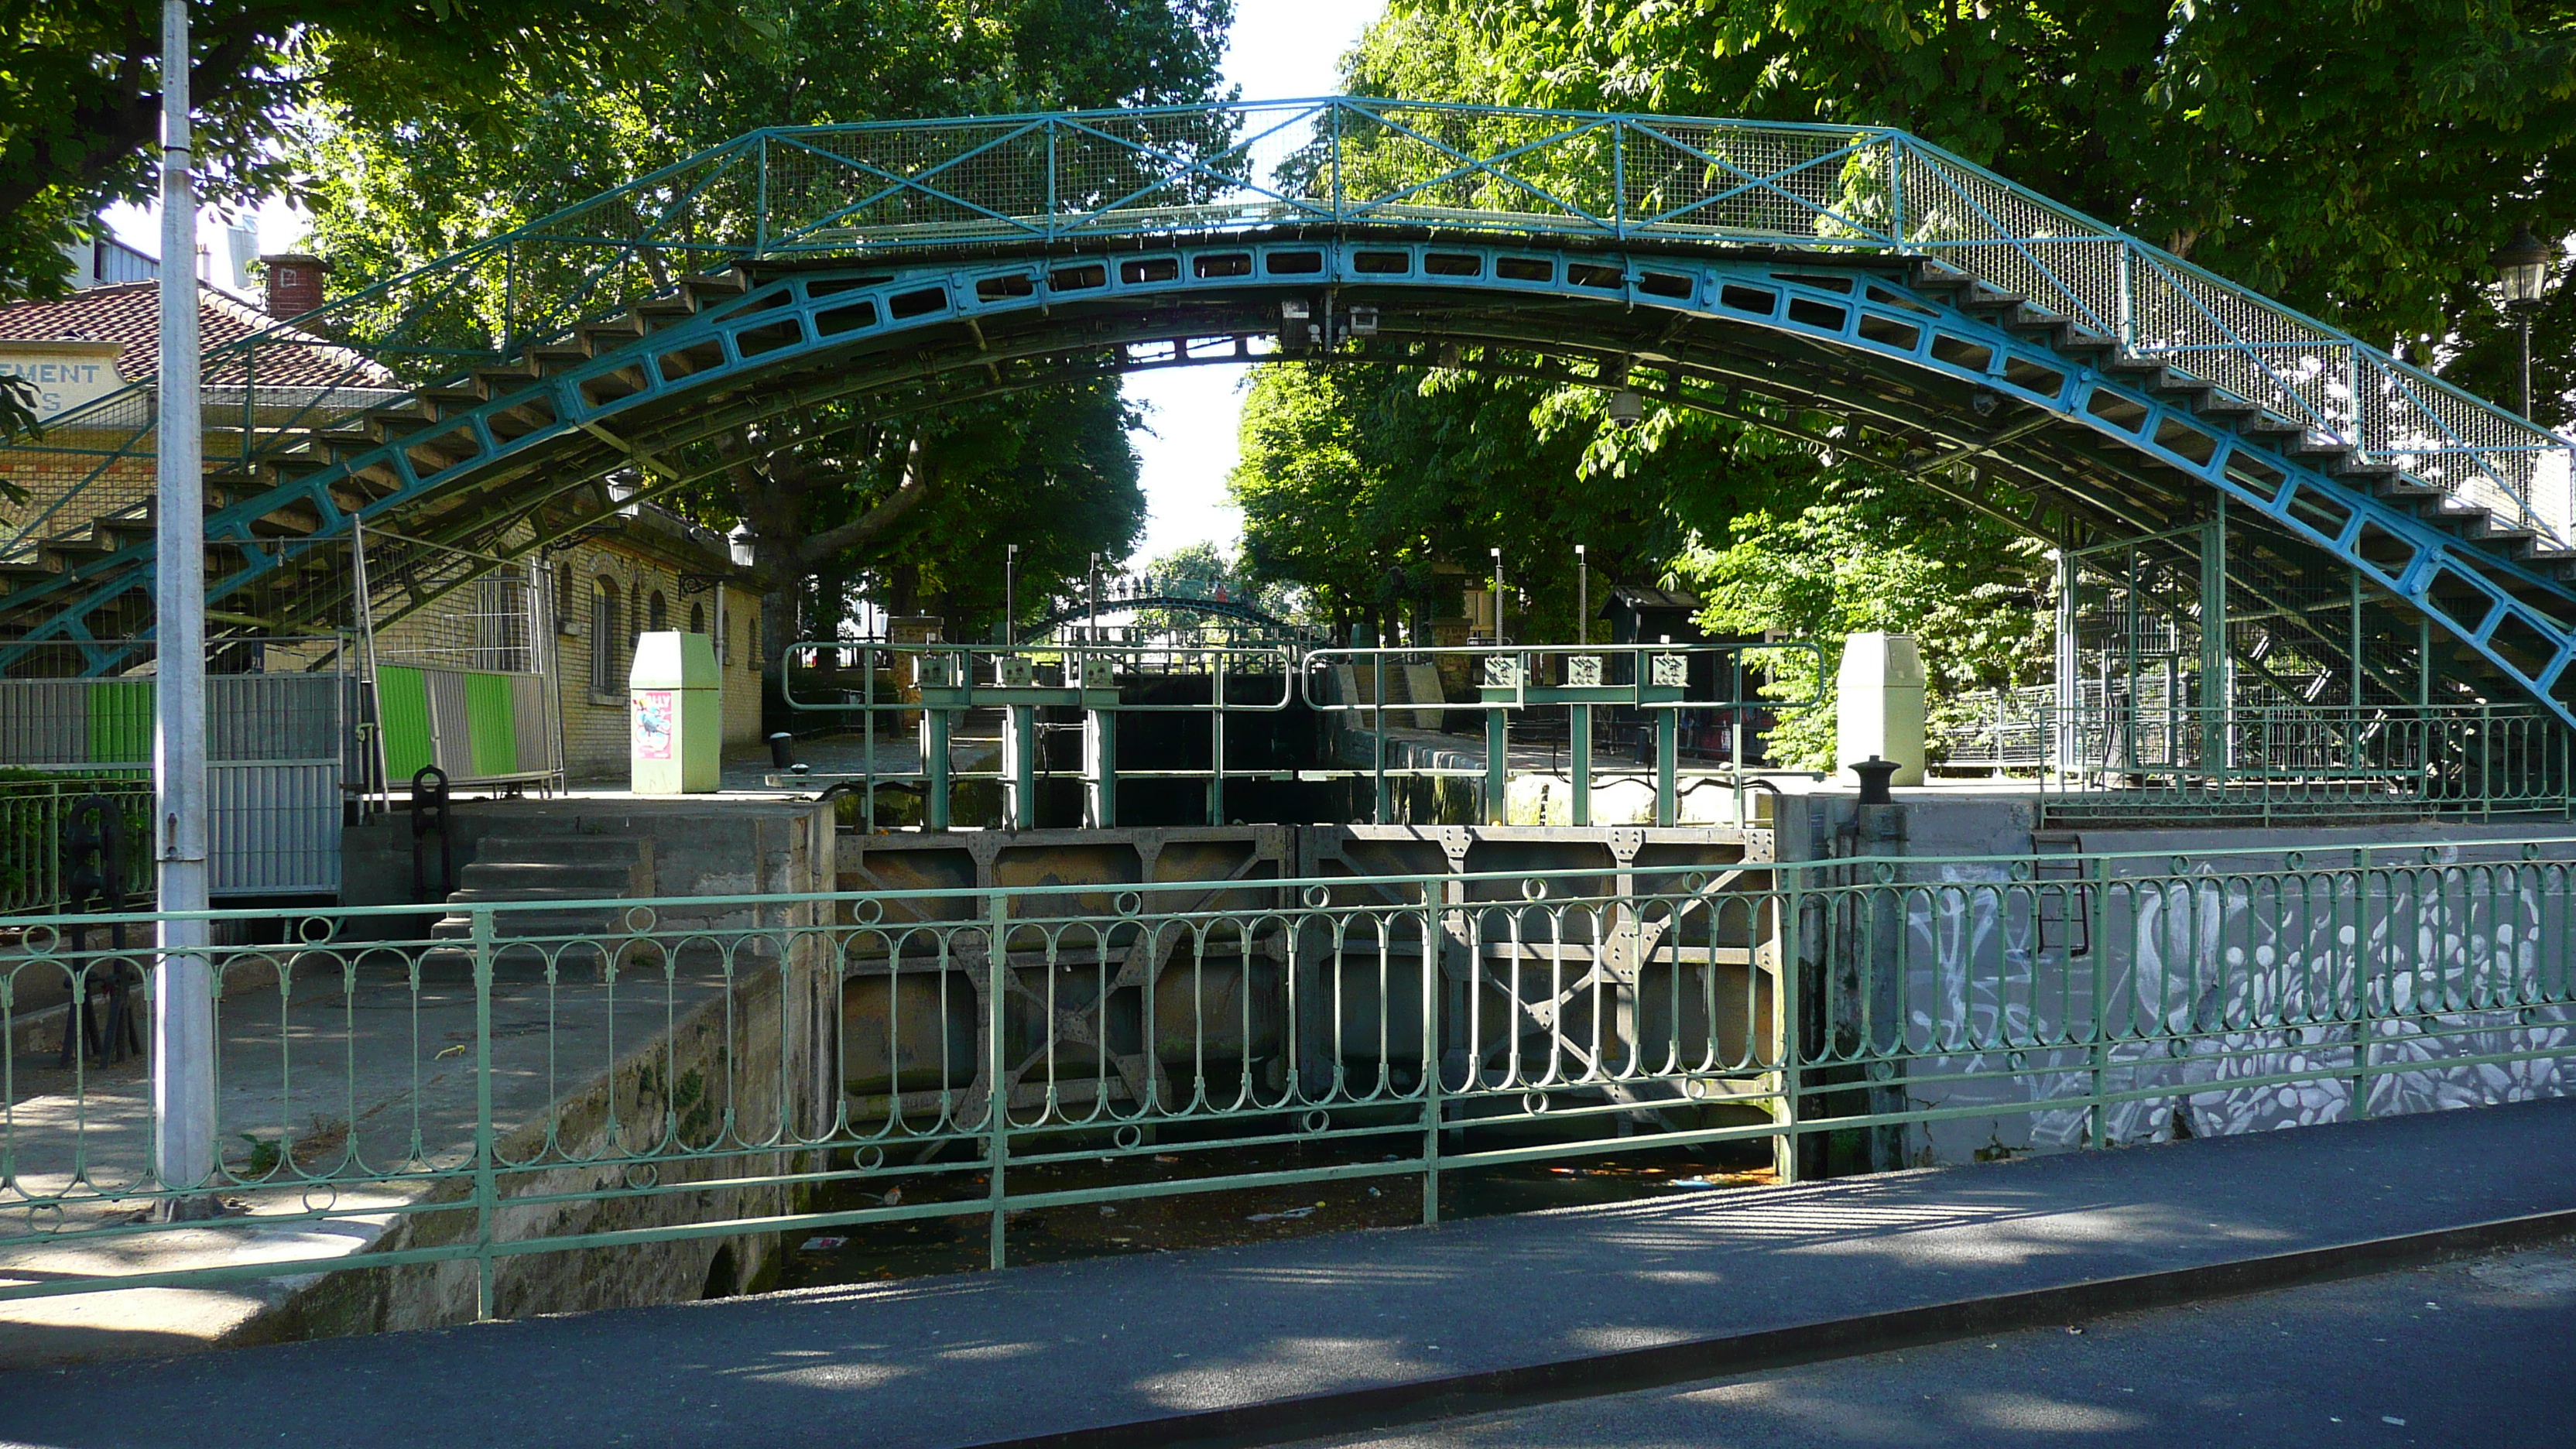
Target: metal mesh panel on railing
(459,649)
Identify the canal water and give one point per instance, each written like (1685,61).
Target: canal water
(890,1251)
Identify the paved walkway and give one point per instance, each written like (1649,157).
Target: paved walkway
(2417,1356)
(376,1076)
(1660,1291)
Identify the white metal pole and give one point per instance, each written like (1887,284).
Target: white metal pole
(183,1008)
(1582,596)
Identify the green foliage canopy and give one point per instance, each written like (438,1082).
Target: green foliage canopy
(80,92)
(2358,159)
(915,511)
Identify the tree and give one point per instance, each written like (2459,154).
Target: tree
(1361,482)
(922,530)
(1350,471)
(1850,552)
(80,94)
(2356,159)
(830,499)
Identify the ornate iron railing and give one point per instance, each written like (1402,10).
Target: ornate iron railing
(932,187)
(2145,756)
(506,1086)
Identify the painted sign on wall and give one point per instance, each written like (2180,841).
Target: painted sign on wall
(65,373)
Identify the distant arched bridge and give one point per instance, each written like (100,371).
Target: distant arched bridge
(1174,601)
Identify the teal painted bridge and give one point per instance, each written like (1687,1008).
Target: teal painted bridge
(2029,361)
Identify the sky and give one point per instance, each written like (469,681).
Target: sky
(1279,50)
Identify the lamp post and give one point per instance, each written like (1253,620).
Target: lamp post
(1010,595)
(1498,595)
(1582,596)
(2522,265)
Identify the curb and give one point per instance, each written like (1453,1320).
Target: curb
(1390,1405)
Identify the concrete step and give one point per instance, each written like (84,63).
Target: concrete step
(599,878)
(518,924)
(586,873)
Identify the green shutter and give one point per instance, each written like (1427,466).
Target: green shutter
(489,725)
(120,722)
(402,707)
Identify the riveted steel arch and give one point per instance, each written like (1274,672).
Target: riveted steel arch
(839,329)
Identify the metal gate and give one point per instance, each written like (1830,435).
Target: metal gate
(279,748)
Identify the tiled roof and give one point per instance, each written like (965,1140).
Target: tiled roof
(130,314)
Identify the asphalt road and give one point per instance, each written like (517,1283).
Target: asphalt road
(2478,1353)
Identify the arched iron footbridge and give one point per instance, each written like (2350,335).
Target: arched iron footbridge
(1147,593)
(2031,362)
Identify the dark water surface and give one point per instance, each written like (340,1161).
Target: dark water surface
(882,1252)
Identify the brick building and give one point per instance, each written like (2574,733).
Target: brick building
(640,568)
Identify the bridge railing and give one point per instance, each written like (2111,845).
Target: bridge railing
(2292,762)
(1646,689)
(1349,163)
(953,1057)
(2139,758)
(906,705)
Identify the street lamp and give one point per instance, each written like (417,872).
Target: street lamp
(1582,596)
(2522,265)
(1011,595)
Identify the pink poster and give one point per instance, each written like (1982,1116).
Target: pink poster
(653,710)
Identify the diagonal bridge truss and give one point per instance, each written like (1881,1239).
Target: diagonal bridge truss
(2037,364)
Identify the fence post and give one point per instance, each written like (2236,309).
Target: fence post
(1431,953)
(1784,1027)
(1334,109)
(1377,739)
(2097,940)
(2359,1109)
(2486,762)
(1668,749)
(1896,191)
(997,1094)
(486,1178)
(1619,179)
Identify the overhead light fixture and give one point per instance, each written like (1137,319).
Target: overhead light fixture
(2522,265)
(1626,408)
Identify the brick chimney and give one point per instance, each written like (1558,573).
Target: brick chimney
(294,283)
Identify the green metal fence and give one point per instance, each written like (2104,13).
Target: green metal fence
(884,692)
(35,816)
(472,1094)
(2304,762)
